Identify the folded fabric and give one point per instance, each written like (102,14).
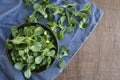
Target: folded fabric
(12,12)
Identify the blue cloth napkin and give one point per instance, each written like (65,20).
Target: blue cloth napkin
(12,12)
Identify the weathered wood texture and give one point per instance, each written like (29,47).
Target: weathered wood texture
(99,57)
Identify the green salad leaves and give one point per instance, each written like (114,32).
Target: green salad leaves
(69,16)
(63,52)
(31,48)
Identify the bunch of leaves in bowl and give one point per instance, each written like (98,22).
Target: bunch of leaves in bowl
(32,47)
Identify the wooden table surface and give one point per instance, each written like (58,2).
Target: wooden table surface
(99,57)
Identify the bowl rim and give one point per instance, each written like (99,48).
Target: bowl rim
(44,27)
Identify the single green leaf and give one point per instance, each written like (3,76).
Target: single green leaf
(28,31)
(20,33)
(45,33)
(19,66)
(18,40)
(9,45)
(73,21)
(30,59)
(27,73)
(36,6)
(87,6)
(39,8)
(81,24)
(85,26)
(68,17)
(38,60)
(52,25)
(43,42)
(70,29)
(32,18)
(50,53)
(61,64)
(62,19)
(36,47)
(32,66)
(63,51)
(14,31)
(81,14)
(26,50)
(73,5)
(60,35)
(44,61)
(48,62)
(13,57)
(50,45)
(28,41)
(21,52)
(45,50)
(57,10)
(47,41)
(53,52)
(39,31)
(24,57)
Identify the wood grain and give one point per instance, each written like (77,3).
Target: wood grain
(99,57)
